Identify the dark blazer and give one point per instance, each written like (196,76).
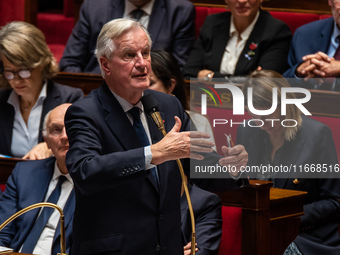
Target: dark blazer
(56,94)
(313,145)
(208,219)
(26,186)
(120,210)
(171,27)
(309,39)
(272,36)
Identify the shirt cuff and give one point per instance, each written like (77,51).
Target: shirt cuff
(148,157)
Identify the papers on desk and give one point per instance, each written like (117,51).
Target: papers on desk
(4,156)
(5,250)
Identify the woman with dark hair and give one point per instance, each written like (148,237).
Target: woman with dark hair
(305,144)
(166,77)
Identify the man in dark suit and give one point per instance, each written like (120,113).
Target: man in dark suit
(208,220)
(313,51)
(33,182)
(240,41)
(171,24)
(128,192)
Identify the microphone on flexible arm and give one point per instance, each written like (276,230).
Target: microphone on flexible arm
(151,107)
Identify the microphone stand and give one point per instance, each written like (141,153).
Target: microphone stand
(159,123)
(43,204)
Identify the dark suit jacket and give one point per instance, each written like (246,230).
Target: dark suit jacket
(309,39)
(272,36)
(26,186)
(119,208)
(208,219)
(56,94)
(171,27)
(313,145)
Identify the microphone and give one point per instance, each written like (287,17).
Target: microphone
(43,204)
(151,107)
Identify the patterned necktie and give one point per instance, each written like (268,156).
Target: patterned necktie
(44,216)
(337,52)
(137,14)
(142,136)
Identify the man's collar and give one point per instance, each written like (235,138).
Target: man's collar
(147,8)
(127,105)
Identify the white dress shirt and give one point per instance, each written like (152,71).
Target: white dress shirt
(25,137)
(235,46)
(147,8)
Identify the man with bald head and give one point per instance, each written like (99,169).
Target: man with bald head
(38,181)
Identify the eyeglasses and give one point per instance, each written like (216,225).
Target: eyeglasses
(23,74)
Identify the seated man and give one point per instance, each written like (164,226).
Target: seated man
(208,220)
(315,51)
(171,24)
(36,181)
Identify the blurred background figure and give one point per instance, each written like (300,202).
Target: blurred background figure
(315,52)
(171,24)
(27,66)
(166,77)
(309,142)
(240,41)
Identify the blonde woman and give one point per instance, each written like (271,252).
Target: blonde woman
(27,66)
(306,144)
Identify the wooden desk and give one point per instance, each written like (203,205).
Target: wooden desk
(270,216)
(84,81)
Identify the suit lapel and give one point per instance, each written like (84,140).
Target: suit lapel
(324,37)
(156,19)
(221,32)
(289,159)
(156,136)
(243,62)
(37,195)
(116,9)
(117,120)
(68,213)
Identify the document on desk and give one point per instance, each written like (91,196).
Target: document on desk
(5,250)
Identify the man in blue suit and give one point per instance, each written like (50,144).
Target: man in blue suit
(171,24)
(128,192)
(33,182)
(313,50)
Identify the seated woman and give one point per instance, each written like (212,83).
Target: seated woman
(306,143)
(237,42)
(166,77)
(27,66)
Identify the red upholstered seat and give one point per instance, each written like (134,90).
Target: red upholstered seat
(8,13)
(231,231)
(294,19)
(2,187)
(201,14)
